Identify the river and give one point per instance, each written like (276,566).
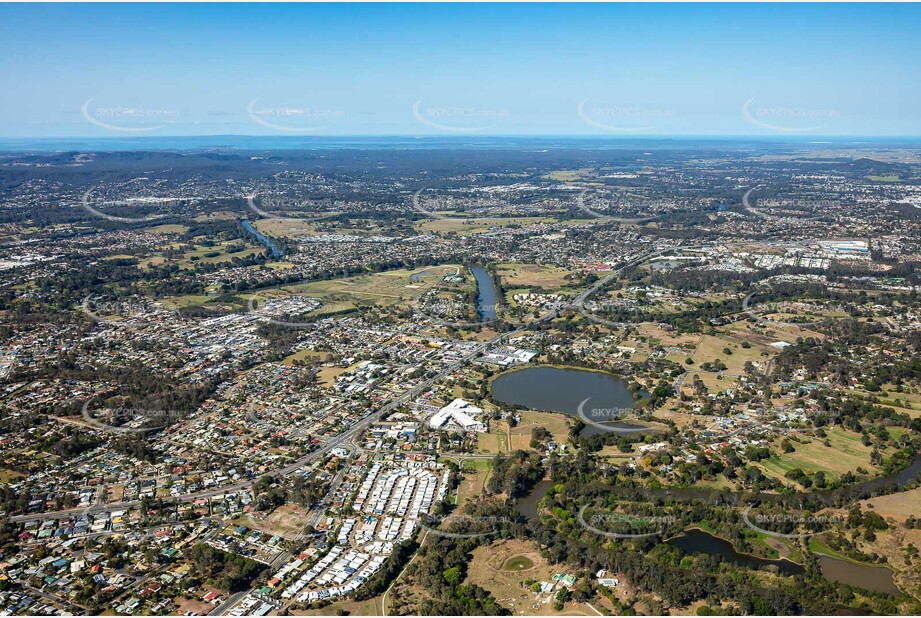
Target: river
(272,247)
(486,294)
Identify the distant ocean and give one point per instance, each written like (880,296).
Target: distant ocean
(219,143)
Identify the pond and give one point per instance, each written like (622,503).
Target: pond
(700,542)
(562,390)
(527,506)
(868,577)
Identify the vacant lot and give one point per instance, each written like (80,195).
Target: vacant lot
(547,277)
(658,335)
(303,355)
(217,253)
(328,375)
(197,607)
(219,215)
(710,348)
(371,607)
(286,521)
(9,476)
(569,175)
(284,228)
(501,568)
(904,403)
(186,300)
(386,288)
(338,295)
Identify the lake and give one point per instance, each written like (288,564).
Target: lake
(557,389)
(486,294)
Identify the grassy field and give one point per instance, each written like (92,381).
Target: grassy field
(278,265)
(474,225)
(903,403)
(659,336)
(283,228)
(845,454)
(203,254)
(168,228)
(402,287)
(896,506)
(9,476)
(557,424)
(386,288)
(771,332)
(219,215)
(327,375)
(569,175)
(219,253)
(713,382)
(150,262)
(301,355)
(186,300)
(473,482)
(545,276)
(710,348)
(492,443)
(889,178)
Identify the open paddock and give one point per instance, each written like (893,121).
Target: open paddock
(845,454)
(460,224)
(544,276)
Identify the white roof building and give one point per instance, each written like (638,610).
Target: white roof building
(459,414)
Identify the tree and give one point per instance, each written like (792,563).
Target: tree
(452,575)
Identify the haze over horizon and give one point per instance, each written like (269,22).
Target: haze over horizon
(621,71)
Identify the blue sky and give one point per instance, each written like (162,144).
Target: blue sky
(412,69)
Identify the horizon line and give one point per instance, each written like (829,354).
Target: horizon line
(633,137)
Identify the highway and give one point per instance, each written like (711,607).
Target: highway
(578,302)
